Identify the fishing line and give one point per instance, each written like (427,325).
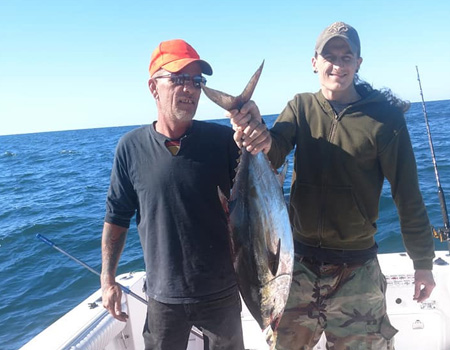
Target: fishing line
(125,289)
(442,234)
(51,244)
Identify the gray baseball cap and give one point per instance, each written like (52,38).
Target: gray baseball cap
(340,30)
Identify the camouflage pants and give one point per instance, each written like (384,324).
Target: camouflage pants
(347,302)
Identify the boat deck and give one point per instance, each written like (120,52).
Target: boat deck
(421,325)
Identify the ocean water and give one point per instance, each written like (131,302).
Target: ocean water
(55,184)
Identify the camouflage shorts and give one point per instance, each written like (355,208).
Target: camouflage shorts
(347,302)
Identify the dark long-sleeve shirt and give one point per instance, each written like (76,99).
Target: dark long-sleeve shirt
(180,220)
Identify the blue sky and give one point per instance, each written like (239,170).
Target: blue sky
(83,64)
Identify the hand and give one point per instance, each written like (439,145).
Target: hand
(112,301)
(424,285)
(250,132)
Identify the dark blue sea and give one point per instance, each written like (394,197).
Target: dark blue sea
(55,184)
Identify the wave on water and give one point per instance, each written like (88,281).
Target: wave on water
(55,184)
(8,154)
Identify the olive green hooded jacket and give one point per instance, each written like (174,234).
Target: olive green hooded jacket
(340,164)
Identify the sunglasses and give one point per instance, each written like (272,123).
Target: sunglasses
(181,79)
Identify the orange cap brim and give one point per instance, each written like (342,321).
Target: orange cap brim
(178,65)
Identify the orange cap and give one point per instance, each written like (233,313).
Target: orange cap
(174,55)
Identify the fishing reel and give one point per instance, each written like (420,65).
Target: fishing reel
(441,233)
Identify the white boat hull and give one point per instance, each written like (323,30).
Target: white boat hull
(421,325)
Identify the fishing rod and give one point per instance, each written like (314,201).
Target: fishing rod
(51,244)
(194,330)
(441,233)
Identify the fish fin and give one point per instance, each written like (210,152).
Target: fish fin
(274,258)
(281,176)
(220,98)
(271,334)
(224,201)
(229,102)
(236,169)
(226,208)
(248,91)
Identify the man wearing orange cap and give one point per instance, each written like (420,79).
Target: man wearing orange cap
(348,138)
(167,174)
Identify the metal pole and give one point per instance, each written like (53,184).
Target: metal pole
(445,232)
(194,330)
(51,244)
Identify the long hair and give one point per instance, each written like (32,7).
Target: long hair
(393,100)
(364,88)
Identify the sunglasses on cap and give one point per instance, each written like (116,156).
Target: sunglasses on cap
(181,79)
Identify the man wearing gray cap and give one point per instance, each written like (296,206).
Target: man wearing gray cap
(348,137)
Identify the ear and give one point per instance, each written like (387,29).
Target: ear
(358,63)
(152,88)
(314,64)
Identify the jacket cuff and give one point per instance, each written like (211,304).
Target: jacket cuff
(423,264)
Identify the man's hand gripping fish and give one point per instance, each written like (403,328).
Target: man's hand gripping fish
(260,232)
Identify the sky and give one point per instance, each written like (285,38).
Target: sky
(79,64)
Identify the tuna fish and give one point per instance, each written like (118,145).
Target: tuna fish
(260,232)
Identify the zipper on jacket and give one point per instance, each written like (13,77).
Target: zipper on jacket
(330,137)
(336,120)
